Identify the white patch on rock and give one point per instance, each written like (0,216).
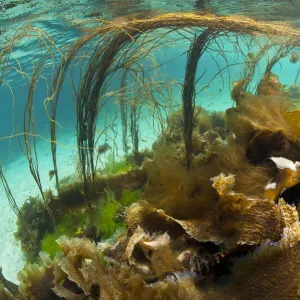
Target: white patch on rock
(270,186)
(284,163)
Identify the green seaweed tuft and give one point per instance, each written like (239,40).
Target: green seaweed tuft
(72,221)
(130,196)
(70,225)
(108,224)
(114,167)
(49,244)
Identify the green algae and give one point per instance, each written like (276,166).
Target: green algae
(113,167)
(130,196)
(107,222)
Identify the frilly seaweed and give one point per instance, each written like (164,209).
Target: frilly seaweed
(162,256)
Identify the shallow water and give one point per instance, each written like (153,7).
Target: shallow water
(221,66)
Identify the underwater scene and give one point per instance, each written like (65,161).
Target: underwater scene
(149,150)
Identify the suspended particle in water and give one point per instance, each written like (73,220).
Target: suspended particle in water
(294,58)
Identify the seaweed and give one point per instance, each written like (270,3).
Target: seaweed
(75,222)
(107,222)
(35,222)
(197,49)
(173,134)
(262,127)
(5,294)
(96,223)
(37,281)
(35,229)
(136,159)
(9,195)
(269,85)
(130,196)
(49,244)
(8,290)
(112,166)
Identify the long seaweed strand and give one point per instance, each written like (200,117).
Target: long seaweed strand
(9,195)
(188,94)
(124,111)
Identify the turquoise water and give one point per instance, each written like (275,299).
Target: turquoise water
(56,19)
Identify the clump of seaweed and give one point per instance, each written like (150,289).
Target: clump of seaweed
(113,166)
(269,85)
(107,222)
(130,196)
(73,218)
(35,222)
(75,222)
(263,126)
(173,134)
(37,281)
